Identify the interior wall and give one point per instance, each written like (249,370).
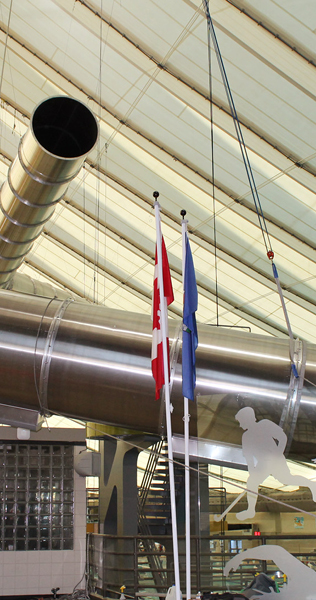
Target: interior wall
(37,572)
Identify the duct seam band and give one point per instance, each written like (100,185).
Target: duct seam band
(8,271)
(41,177)
(15,242)
(26,225)
(11,258)
(48,352)
(291,407)
(27,202)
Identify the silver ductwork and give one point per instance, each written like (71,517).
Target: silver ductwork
(20,282)
(94,364)
(61,133)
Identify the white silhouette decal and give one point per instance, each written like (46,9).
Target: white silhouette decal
(263,444)
(301,580)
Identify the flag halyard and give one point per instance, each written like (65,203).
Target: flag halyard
(189,334)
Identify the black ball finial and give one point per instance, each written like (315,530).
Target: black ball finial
(183,213)
(156,195)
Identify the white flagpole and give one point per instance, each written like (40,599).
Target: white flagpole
(186,420)
(163,322)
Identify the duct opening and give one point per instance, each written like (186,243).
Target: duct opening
(64,127)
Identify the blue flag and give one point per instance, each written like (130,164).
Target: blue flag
(189,334)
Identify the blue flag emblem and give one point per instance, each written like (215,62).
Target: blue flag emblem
(189,334)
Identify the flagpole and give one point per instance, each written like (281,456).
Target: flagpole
(163,321)
(186,420)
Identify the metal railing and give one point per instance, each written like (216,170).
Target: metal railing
(115,561)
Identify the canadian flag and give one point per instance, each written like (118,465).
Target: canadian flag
(157,365)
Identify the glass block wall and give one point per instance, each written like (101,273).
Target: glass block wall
(36,497)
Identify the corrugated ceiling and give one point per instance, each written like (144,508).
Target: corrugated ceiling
(142,67)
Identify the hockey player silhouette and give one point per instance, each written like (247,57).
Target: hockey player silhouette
(263,444)
(301,579)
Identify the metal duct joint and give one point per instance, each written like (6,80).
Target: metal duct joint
(62,132)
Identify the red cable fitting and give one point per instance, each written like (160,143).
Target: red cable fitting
(270,254)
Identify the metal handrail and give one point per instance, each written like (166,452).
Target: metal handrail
(154,561)
(115,561)
(149,474)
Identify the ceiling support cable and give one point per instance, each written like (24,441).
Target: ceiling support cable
(97,208)
(213,174)
(243,149)
(250,176)
(84,228)
(5,53)
(5,47)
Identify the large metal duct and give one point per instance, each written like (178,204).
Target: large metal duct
(93,363)
(62,131)
(20,282)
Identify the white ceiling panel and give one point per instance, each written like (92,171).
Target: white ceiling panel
(142,68)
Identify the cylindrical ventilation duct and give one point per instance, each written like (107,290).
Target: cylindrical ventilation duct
(94,363)
(62,131)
